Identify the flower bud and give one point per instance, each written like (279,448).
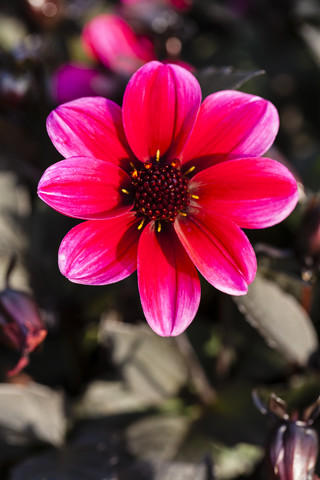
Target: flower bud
(21,326)
(292,449)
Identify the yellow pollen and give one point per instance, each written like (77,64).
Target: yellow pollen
(125,191)
(158,156)
(195,197)
(189,170)
(183,214)
(141,224)
(159,227)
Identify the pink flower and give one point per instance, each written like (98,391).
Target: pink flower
(111,41)
(165,186)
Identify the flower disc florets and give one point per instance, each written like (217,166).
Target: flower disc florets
(161,192)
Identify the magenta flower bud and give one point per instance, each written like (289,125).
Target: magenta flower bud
(21,326)
(292,449)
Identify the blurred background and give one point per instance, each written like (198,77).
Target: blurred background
(87,390)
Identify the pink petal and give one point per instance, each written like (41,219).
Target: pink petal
(160,106)
(89,127)
(112,42)
(219,249)
(74,80)
(99,252)
(252,192)
(231,123)
(168,282)
(86,188)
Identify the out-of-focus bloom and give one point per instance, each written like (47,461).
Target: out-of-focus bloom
(21,326)
(74,80)
(166,186)
(292,448)
(111,41)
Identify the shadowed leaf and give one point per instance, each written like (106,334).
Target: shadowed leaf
(213,79)
(151,366)
(31,414)
(157,437)
(280,319)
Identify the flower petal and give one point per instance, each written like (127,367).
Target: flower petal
(86,188)
(168,282)
(252,192)
(99,252)
(112,42)
(89,127)
(160,106)
(231,123)
(219,249)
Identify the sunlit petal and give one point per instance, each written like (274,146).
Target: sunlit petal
(86,188)
(252,192)
(168,282)
(219,249)
(99,252)
(231,124)
(160,106)
(89,127)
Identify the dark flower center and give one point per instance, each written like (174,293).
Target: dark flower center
(161,192)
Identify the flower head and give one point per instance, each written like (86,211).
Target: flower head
(165,186)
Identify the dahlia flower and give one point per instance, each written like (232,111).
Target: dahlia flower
(165,186)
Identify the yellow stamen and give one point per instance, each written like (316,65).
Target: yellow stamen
(183,214)
(159,227)
(141,224)
(189,170)
(131,165)
(125,191)
(158,156)
(195,197)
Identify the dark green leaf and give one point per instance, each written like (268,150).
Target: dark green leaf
(151,366)
(280,319)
